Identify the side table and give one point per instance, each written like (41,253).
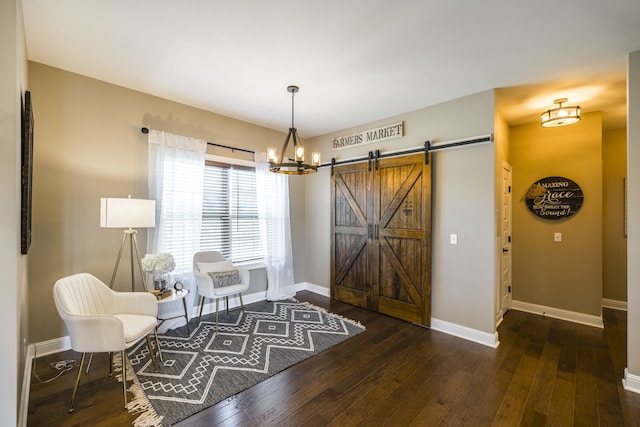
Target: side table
(175,296)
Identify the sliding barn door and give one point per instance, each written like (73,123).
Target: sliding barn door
(351,243)
(382,237)
(402,244)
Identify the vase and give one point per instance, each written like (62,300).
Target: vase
(159,283)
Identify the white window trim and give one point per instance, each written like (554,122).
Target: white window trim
(230,160)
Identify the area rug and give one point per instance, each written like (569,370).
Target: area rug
(202,368)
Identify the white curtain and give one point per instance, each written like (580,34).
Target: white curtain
(176,173)
(273,212)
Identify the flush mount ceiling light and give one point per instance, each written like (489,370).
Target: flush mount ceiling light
(283,164)
(561,116)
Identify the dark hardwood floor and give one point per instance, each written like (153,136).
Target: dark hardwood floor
(545,372)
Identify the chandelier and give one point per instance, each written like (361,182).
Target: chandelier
(283,164)
(561,116)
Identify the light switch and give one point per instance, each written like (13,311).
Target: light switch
(453,239)
(557,237)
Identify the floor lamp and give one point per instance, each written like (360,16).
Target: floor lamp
(128,214)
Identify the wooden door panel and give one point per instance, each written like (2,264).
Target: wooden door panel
(351,202)
(400,270)
(351,262)
(403,217)
(401,310)
(401,197)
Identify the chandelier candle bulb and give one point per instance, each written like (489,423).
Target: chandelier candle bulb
(299,154)
(272,154)
(315,158)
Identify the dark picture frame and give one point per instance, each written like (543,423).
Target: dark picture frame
(27,172)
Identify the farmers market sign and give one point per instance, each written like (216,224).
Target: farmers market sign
(368,136)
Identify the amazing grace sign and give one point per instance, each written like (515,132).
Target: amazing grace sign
(554,197)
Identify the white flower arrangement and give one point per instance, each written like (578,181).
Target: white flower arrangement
(158,263)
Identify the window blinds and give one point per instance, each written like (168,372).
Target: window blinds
(230,213)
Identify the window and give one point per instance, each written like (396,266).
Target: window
(230,212)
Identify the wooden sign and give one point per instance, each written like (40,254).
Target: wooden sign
(554,197)
(368,136)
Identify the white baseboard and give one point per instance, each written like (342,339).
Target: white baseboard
(614,304)
(558,313)
(469,334)
(484,338)
(631,382)
(55,345)
(26,386)
(43,348)
(316,289)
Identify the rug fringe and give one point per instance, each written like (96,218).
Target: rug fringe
(140,404)
(337,316)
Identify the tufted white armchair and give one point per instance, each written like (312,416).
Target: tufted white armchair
(207,262)
(100,319)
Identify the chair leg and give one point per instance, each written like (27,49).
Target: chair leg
(89,363)
(75,387)
(124,376)
(226,303)
(201,307)
(241,304)
(110,363)
(151,354)
(186,315)
(217,312)
(155,332)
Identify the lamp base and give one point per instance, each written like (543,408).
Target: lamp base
(133,248)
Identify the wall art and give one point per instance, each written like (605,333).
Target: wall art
(554,197)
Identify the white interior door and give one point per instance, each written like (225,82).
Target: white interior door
(505,263)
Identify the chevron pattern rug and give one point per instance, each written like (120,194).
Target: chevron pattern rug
(203,368)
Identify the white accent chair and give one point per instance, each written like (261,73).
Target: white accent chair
(100,320)
(207,262)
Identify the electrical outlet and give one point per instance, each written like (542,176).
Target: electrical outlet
(453,239)
(557,237)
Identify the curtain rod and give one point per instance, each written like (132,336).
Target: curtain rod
(146,130)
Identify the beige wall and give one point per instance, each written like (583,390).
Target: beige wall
(88,145)
(463,276)
(614,164)
(566,275)
(13,314)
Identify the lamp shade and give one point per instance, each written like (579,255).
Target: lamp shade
(127,213)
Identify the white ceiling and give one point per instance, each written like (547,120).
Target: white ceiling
(356,61)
